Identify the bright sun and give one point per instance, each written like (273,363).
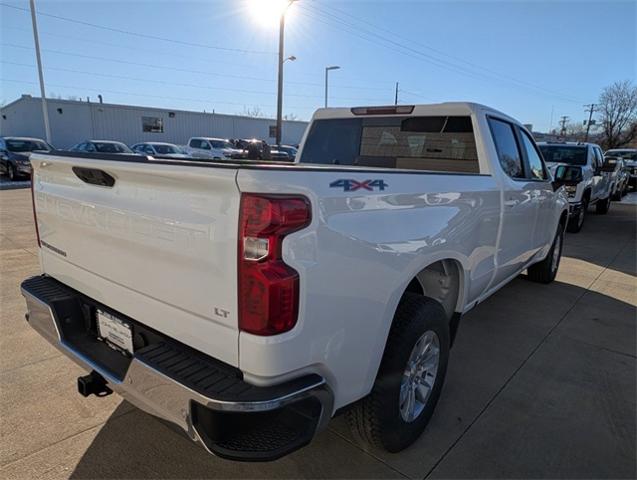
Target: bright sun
(268,12)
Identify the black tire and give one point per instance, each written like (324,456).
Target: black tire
(546,270)
(575,224)
(617,196)
(11,172)
(602,206)
(376,420)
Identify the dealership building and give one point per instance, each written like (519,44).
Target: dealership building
(73,121)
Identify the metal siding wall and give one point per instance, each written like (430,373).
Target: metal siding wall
(82,121)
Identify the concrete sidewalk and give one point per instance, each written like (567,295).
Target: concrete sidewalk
(541,383)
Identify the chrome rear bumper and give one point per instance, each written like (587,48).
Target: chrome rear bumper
(304,405)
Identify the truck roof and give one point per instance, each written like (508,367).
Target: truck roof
(445,108)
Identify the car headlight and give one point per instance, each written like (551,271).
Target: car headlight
(571,190)
(24,162)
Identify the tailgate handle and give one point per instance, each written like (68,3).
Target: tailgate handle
(94,176)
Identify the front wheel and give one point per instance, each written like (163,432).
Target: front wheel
(576,223)
(546,270)
(602,206)
(409,379)
(11,172)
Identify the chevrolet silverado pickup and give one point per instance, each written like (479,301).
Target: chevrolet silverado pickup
(250,302)
(587,178)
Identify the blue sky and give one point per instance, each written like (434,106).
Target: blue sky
(527,58)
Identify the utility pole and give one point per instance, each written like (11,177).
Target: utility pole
(45,111)
(590,108)
(279,99)
(563,120)
(396,95)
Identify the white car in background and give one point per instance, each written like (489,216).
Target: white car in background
(629,155)
(101,146)
(159,149)
(212,148)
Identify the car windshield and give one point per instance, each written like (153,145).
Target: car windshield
(434,143)
(108,147)
(165,149)
(570,155)
(625,154)
(220,144)
(25,145)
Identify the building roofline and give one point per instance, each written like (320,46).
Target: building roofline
(140,107)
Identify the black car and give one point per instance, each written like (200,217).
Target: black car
(15,153)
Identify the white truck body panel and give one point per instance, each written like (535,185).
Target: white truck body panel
(160,246)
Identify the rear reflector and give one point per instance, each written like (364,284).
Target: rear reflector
(388,110)
(268,288)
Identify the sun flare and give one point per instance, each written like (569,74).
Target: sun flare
(268,12)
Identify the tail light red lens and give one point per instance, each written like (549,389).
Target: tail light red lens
(268,288)
(35,216)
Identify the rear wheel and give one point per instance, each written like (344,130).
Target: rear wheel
(602,206)
(546,270)
(409,379)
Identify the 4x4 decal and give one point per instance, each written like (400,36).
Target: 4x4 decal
(349,185)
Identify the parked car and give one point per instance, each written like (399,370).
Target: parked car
(212,148)
(15,153)
(101,146)
(159,149)
(589,181)
(289,150)
(620,176)
(337,283)
(629,155)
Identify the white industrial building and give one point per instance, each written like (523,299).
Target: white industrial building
(73,121)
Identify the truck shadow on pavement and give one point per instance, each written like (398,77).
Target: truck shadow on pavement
(541,383)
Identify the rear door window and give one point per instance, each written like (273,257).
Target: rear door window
(432,143)
(536,164)
(507,147)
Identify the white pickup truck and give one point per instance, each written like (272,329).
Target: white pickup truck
(248,303)
(587,178)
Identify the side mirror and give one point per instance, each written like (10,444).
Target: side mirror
(567,175)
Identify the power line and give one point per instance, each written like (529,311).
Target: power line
(167,67)
(440,52)
(413,53)
(138,34)
(178,84)
(135,94)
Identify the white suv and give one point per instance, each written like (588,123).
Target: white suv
(212,148)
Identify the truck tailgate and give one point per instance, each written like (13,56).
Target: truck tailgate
(159,245)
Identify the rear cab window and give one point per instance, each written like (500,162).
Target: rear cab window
(430,143)
(506,145)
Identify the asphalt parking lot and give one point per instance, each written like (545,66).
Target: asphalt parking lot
(541,384)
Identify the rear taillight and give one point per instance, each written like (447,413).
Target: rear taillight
(268,288)
(35,216)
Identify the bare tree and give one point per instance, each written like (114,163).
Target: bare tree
(575,132)
(290,116)
(253,112)
(618,111)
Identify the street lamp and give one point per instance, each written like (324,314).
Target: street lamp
(327,69)
(279,101)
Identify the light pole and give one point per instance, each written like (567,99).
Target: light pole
(327,69)
(45,111)
(279,100)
